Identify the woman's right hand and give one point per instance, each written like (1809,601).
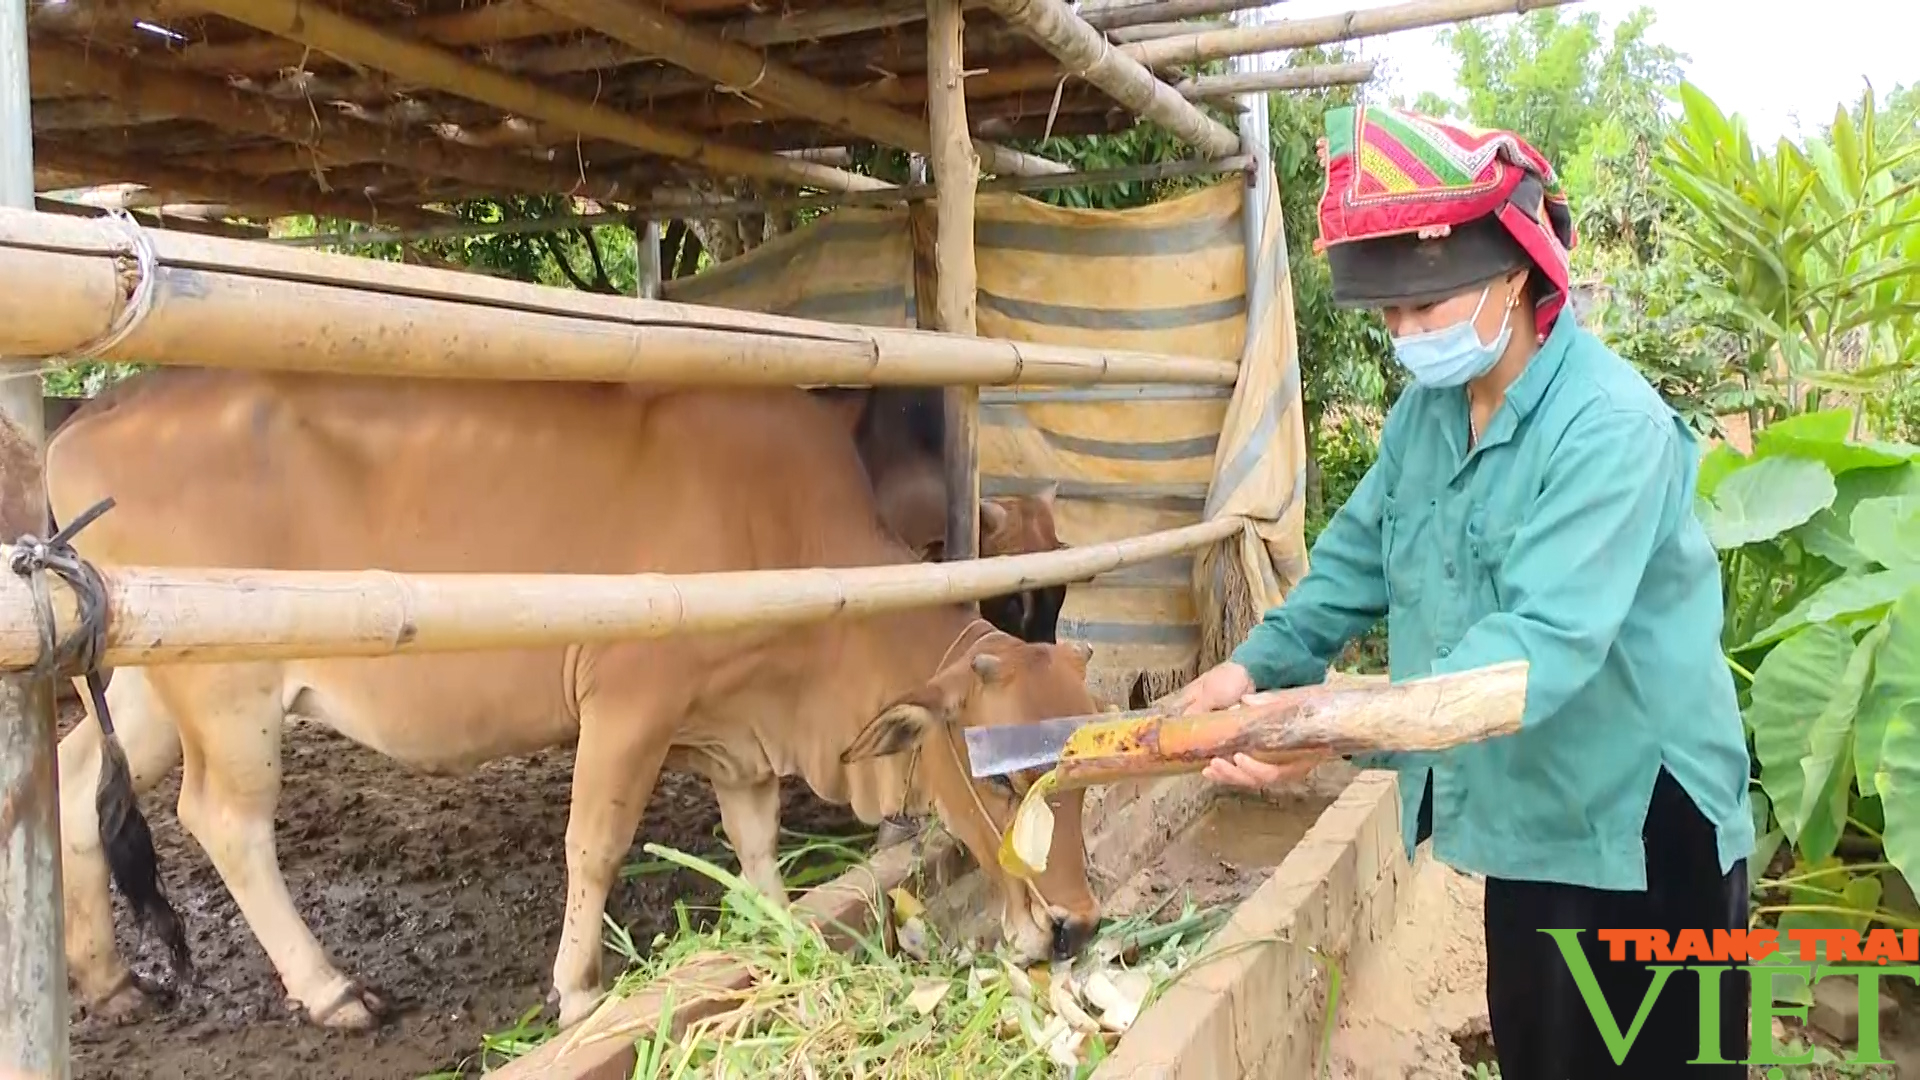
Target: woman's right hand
(1220,688)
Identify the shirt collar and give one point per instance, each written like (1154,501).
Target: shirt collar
(1521,398)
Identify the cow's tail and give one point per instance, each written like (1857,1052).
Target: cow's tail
(124,834)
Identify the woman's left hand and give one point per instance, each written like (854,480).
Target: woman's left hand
(1247,772)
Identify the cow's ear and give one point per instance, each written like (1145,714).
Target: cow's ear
(993,517)
(1047,494)
(901,725)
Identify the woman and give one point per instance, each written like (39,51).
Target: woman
(1533,499)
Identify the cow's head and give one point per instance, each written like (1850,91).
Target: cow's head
(1022,525)
(996,682)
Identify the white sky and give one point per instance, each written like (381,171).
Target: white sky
(1776,63)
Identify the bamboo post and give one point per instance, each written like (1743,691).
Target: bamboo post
(955,172)
(647,274)
(1083,51)
(753,73)
(33,968)
(161,615)
(360,43)
(234,304)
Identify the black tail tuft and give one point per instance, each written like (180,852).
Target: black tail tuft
(129,846)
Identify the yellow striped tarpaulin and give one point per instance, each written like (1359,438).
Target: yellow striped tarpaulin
(1128,459)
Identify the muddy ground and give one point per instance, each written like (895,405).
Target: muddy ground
(444,896)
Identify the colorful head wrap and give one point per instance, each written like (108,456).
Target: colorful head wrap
(1392,174)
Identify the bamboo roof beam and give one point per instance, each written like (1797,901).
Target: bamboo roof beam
(1207,45)
(1083,51)
(1003,106)
(501,20)
(1310,77)
(265,199)
(158,219)
(138,85)
(751,72)
(357,42)
(756,31)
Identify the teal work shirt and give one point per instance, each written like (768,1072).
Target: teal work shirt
(1566,538)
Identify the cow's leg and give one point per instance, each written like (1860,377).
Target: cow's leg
(750,814)
(622,746)
(229,787)
(102,981)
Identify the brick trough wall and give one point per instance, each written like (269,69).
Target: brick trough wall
(1255,1004)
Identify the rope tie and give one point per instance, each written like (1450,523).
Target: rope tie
(139,303)
(79,652)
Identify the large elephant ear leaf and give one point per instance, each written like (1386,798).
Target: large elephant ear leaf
(1887,736)
(1758,502)
(1790,688)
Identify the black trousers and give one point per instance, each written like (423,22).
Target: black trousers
(1542,1029)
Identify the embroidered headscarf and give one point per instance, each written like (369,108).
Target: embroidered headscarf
(1393,173)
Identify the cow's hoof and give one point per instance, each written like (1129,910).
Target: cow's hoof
(575,1006)
(130,1002)
(354,1008)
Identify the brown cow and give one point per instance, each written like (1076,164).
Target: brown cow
(899,431)
(302,472)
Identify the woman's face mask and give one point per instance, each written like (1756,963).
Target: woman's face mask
(1454,355)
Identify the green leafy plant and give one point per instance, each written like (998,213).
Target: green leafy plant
(1819,537)
(1808,255)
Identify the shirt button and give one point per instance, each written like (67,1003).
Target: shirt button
(1444,652)
(1449,565)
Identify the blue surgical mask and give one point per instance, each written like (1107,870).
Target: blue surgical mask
(1453,355)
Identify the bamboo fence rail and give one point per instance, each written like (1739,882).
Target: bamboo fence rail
(234,304)
(165,616)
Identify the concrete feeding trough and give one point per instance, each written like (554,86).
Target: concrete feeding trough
(1313,876)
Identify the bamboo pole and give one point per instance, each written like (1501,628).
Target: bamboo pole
(225,303)
(358,43)
(703,207)
(140,85)
(33,969)
(1212,87)
(1118,16)
(955,275)
(751,72)
(1085,53)
(167,616)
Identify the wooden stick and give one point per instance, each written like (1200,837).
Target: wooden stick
(141,85)
(166,616)
(750,72)
(254,198)
(1210,87)
(1434,713)
(158,220)
(1084,52)
(224,303)
(357,42)
(955,276)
